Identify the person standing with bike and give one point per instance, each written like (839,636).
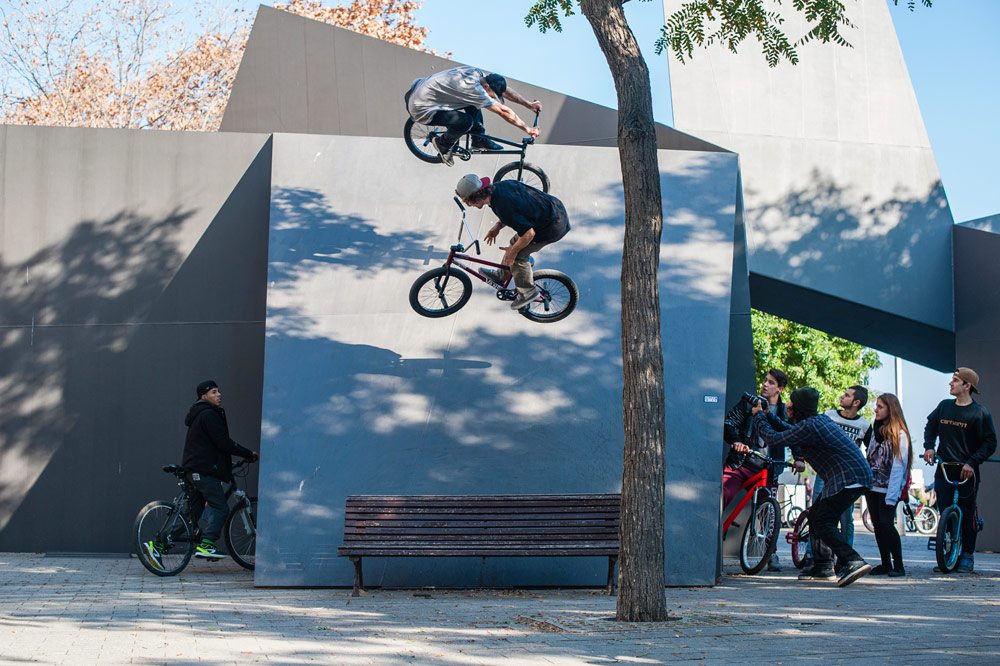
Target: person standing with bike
(538,219)
(966,436)
(208,451)
(888,446)
(836,459)
(455,99)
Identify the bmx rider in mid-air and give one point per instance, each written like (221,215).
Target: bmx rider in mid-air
(455,99)
(538,219)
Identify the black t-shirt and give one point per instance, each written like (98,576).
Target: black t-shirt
(522,207)
(965,433)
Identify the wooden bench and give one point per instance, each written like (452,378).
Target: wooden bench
(481,526)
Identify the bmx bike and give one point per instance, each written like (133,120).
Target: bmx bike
(760,534)
(445,290)
(418,139)
(948,544)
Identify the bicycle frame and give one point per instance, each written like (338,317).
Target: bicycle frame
(520,146)
(753,485)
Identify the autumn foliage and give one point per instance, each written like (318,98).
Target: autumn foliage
(118,63)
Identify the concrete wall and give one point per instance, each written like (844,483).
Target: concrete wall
(132,266)
(304,76)
(977,292)
(848,227)
(364,396)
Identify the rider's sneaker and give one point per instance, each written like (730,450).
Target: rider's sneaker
(822,573)
(446,155)
(153,555)
(495,274)
(481,142)
(965,564)
(207,550)
(852,571)
(524,300)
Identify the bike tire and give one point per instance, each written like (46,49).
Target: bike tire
(760,537)
(530,175)
(801,541)
(418,139)
(440,292)
(241,540)
(557,301)
(927,520)
(866,518)
(793,515)
(162,522)
(948,546)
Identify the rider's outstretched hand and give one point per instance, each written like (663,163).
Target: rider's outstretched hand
(491,235)
(533,132)
(535,106)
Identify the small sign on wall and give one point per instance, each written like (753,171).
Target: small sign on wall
(711,398)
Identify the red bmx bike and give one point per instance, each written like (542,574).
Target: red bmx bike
(760,534)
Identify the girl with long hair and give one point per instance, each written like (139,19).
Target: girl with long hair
(888,441)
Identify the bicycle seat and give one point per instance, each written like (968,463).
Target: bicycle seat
(176,470)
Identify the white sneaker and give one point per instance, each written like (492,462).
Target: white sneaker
(523,300)
(446,155)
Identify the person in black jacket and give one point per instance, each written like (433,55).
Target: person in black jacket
(208,451)
(966,437)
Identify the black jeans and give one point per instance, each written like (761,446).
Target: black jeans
(966,502)
(458,123)
(890,547)
(211,504)
(823,519)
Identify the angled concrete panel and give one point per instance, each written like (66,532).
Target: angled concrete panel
(132,268)
(843,197)
(304,76)
(362,395)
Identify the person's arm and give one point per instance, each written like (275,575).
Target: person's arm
(930,435)
(792,438)
(216,430)
(491,235)
(508,114)
(897,474)
(988,441)
(732,425)
(516,97)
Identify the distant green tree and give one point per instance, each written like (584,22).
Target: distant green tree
(810,357)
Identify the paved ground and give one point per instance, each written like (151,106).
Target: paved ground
(108,611)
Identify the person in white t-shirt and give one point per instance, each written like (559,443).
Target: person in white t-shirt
(455,99)
(850,421)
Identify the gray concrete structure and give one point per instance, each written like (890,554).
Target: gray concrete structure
(133,267)
(848,227)
(362,396)
(977,338)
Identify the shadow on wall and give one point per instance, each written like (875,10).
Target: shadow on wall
(825,235)
(481,402)
(69,314)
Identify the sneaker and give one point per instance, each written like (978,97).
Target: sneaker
(481,142)
(523,300)
(446,155)
(153,555)
(965,564)
(207,550)
(822,573)
(495,274)
(852,571)
(807,564)
(895,573)
(774,564)
(880,570)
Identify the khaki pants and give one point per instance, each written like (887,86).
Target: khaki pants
(520,268)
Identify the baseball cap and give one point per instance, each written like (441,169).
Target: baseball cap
(969,376)
(205,387)
(469,184)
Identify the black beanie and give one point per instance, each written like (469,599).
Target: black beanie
(205,387)
(805,401)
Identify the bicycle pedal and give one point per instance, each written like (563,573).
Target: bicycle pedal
(506,294)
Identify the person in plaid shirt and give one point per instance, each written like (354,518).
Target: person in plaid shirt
(844,470)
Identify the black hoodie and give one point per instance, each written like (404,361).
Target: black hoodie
(208,447)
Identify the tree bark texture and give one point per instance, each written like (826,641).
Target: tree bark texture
(641,596)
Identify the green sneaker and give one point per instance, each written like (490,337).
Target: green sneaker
(207,550)
(154,554)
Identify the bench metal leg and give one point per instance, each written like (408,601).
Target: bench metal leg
(359,582)
(611,574)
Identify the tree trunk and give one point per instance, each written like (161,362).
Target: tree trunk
(641,596)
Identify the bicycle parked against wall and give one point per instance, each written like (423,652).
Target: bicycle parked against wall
(445,290)
(760,534)
(170,527)
(418,139)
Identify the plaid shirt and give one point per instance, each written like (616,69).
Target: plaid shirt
(831,452)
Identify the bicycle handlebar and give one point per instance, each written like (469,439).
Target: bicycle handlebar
(768,460)
(944,471)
